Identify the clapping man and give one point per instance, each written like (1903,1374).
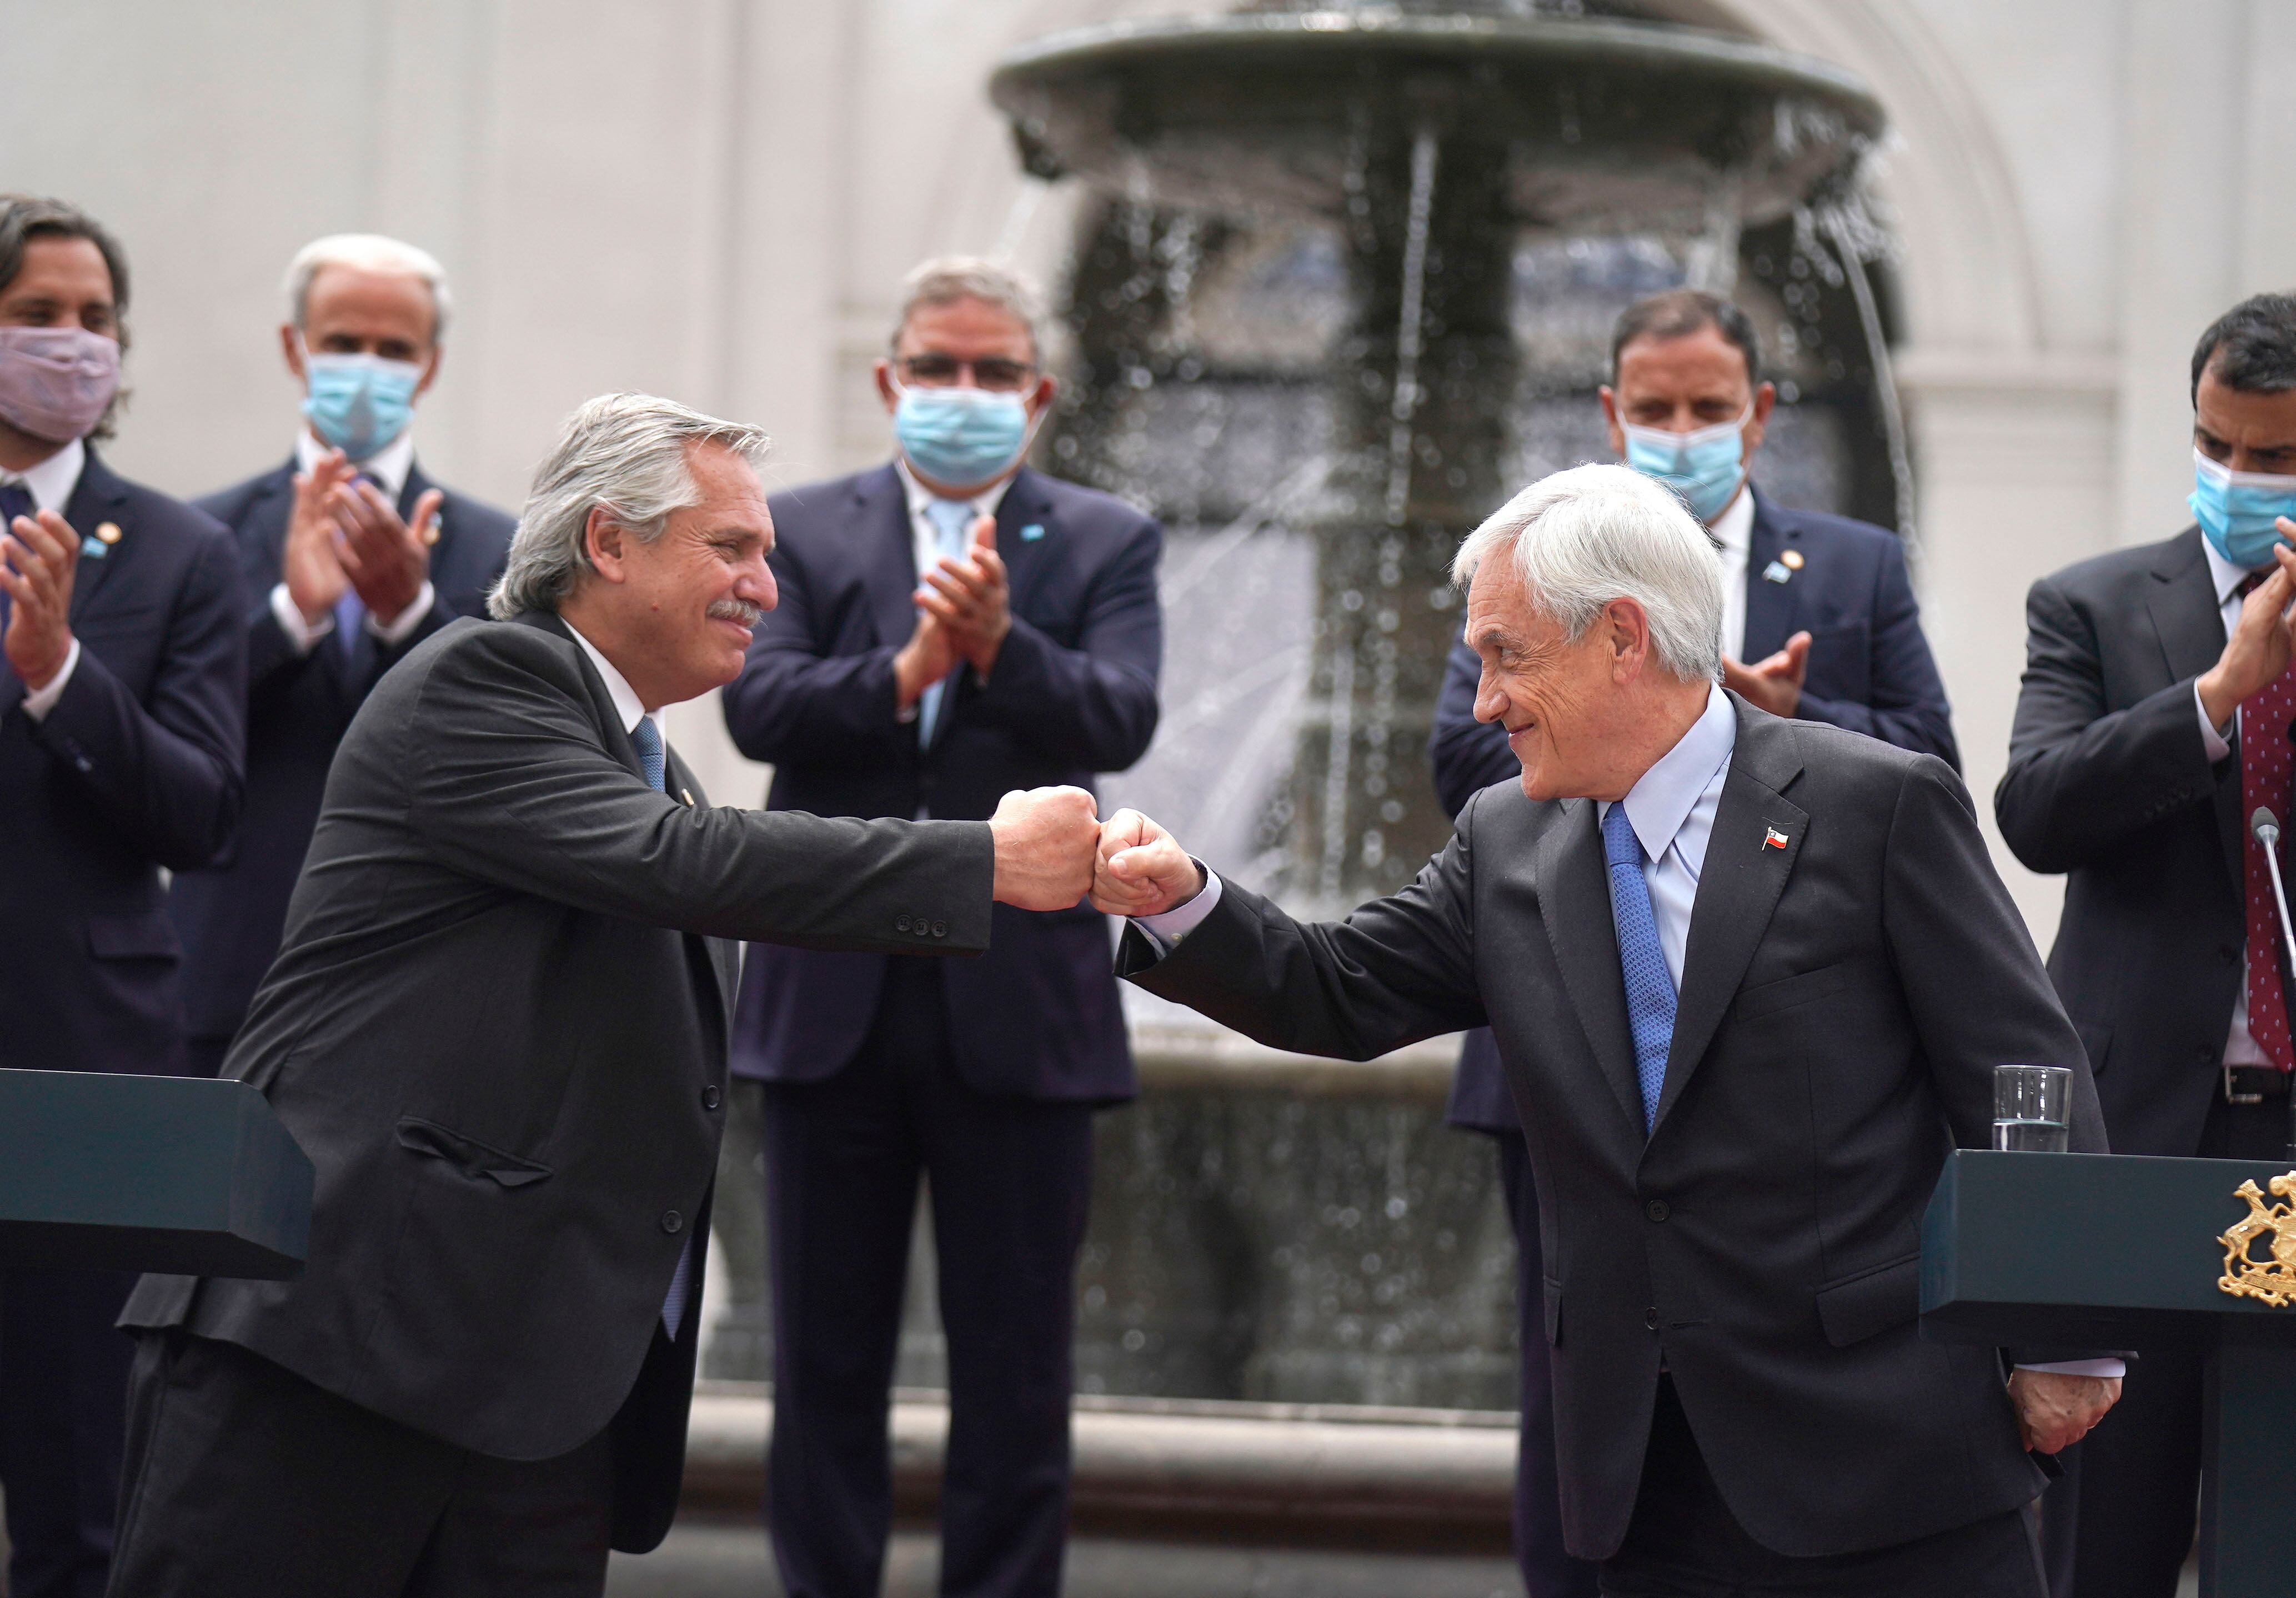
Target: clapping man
(351,556)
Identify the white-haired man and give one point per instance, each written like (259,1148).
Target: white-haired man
(1749,977)
(351,557)
(498,1026)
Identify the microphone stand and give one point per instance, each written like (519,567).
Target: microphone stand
(2266,828)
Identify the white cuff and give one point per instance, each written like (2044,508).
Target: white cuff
(37,705)
(2111,1370)
(303,636)
(2211,740)
(404,625)
(1166,928)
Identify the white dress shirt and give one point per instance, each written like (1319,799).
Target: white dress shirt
(1733,529)
(51,483)
(2239,1047)
(389,466)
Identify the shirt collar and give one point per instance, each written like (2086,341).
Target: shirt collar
(986,501)
(1733,529)
(1663,797)
(2228,577)
(52,482)
(618,686)
(388,465)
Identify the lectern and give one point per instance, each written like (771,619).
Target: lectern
(2115,1251)
(170,1174)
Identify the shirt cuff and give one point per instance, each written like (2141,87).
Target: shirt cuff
(2111,1370)
(2210,739)
(403,626)
(303,636)
(37,705)
(1166,930)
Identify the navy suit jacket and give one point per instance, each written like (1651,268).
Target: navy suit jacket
(232,915)
(137,767)
(1869,670)
(1073,692)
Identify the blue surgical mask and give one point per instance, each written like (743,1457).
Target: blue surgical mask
(1705,467)
(960,437)
(359,403)
(2235,510)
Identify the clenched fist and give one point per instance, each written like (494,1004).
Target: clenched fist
(2055,1410)
(1143,869)
(1047,842)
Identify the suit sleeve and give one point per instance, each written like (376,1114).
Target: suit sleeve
(1908,704)
(1468,754)
(2081,778)
(796,702)
(514,788)
(169,772)
(1397,969)
(1092,706)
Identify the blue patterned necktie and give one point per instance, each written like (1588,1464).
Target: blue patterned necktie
(950,518)
(1642,961)
(648,738)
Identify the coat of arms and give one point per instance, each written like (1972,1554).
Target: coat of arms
(2272,1280)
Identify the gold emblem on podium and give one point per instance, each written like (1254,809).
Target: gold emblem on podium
(2246,1276)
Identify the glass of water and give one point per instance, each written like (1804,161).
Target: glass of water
(2030,1108)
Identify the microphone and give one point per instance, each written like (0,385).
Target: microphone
(2266,828)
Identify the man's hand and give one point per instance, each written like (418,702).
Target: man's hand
(308,563)
(1772,683)
(387,559)
(1046,844)
(923,661)
(2258,652)
(2055,1410)
(1143,869)
(36,562)
(971,599)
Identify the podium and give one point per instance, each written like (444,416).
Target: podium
(171,1174)
(2115,1251)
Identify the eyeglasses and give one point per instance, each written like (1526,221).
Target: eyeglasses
(994,374)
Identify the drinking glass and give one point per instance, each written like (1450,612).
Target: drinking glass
(2029,1108)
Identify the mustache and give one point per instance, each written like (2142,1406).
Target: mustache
(736,609)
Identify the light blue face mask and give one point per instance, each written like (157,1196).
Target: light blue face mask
(1705,467)
(960,437)
(2235,510)
(359,403)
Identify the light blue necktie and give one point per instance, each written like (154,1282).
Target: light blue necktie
(351,609)
(648,738)
(950,518)
(1642,961)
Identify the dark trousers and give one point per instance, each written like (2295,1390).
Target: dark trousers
(1011,1179)
(1548,1570)
(246,1482)
(2121,1523)
(1685,1543)
(63,1411)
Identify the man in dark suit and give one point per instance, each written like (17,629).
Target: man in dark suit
(1750,978)
(120,685)
(498,1026)
(1822,601)
(953,625)
(352,558)
(2153,722)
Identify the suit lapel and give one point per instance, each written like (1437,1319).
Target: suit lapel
(889,563)
(613,733)
(2190,622)
(1772,609)
(1738,888)
(97,498)
(412,491)
(266,520)
(1026,509)
(1575,906)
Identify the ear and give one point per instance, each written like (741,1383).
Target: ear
(1628,638)
(431,370)
(1766,400)
(601,541)
(1610,420)
(881,370)
(290,345)
(1040,398)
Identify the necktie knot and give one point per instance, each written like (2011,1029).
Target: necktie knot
(647,737)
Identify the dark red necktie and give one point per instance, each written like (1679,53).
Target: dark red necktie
(2266,763)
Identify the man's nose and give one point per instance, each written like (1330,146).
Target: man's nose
(757,585)
(1490,704)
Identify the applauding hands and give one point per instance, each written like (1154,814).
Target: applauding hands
(1141,868)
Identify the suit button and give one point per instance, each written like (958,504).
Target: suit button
(712,1098)
(1657,1209)
(940,928)
(673,1223)
(1650,1317)
(900,923)
(920,924)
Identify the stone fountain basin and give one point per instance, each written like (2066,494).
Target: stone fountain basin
(1596,120)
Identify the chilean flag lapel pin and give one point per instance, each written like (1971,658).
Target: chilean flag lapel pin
(1772,838)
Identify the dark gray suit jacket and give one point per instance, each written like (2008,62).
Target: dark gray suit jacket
(1844,1001)
(498,1026)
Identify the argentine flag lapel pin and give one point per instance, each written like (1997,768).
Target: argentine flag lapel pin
(1033,532)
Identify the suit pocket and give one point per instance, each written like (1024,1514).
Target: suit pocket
(1553,1293)
(133,935)
(468,1155)
(1768,997)
(1872,1302)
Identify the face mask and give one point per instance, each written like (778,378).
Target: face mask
(55,381)
(359,403)
(1705,467)
(960,437)
(2235,510)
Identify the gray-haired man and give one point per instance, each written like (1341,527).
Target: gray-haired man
(498,1026)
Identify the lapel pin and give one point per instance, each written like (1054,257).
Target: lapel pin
(1777,571)
(108,533)
(1772,838)
(1793,559)
(1033,532)
(90,550)
(687,795)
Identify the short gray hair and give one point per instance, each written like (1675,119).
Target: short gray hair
(1586,537)
(367,253)
(946,279)
(625,452)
